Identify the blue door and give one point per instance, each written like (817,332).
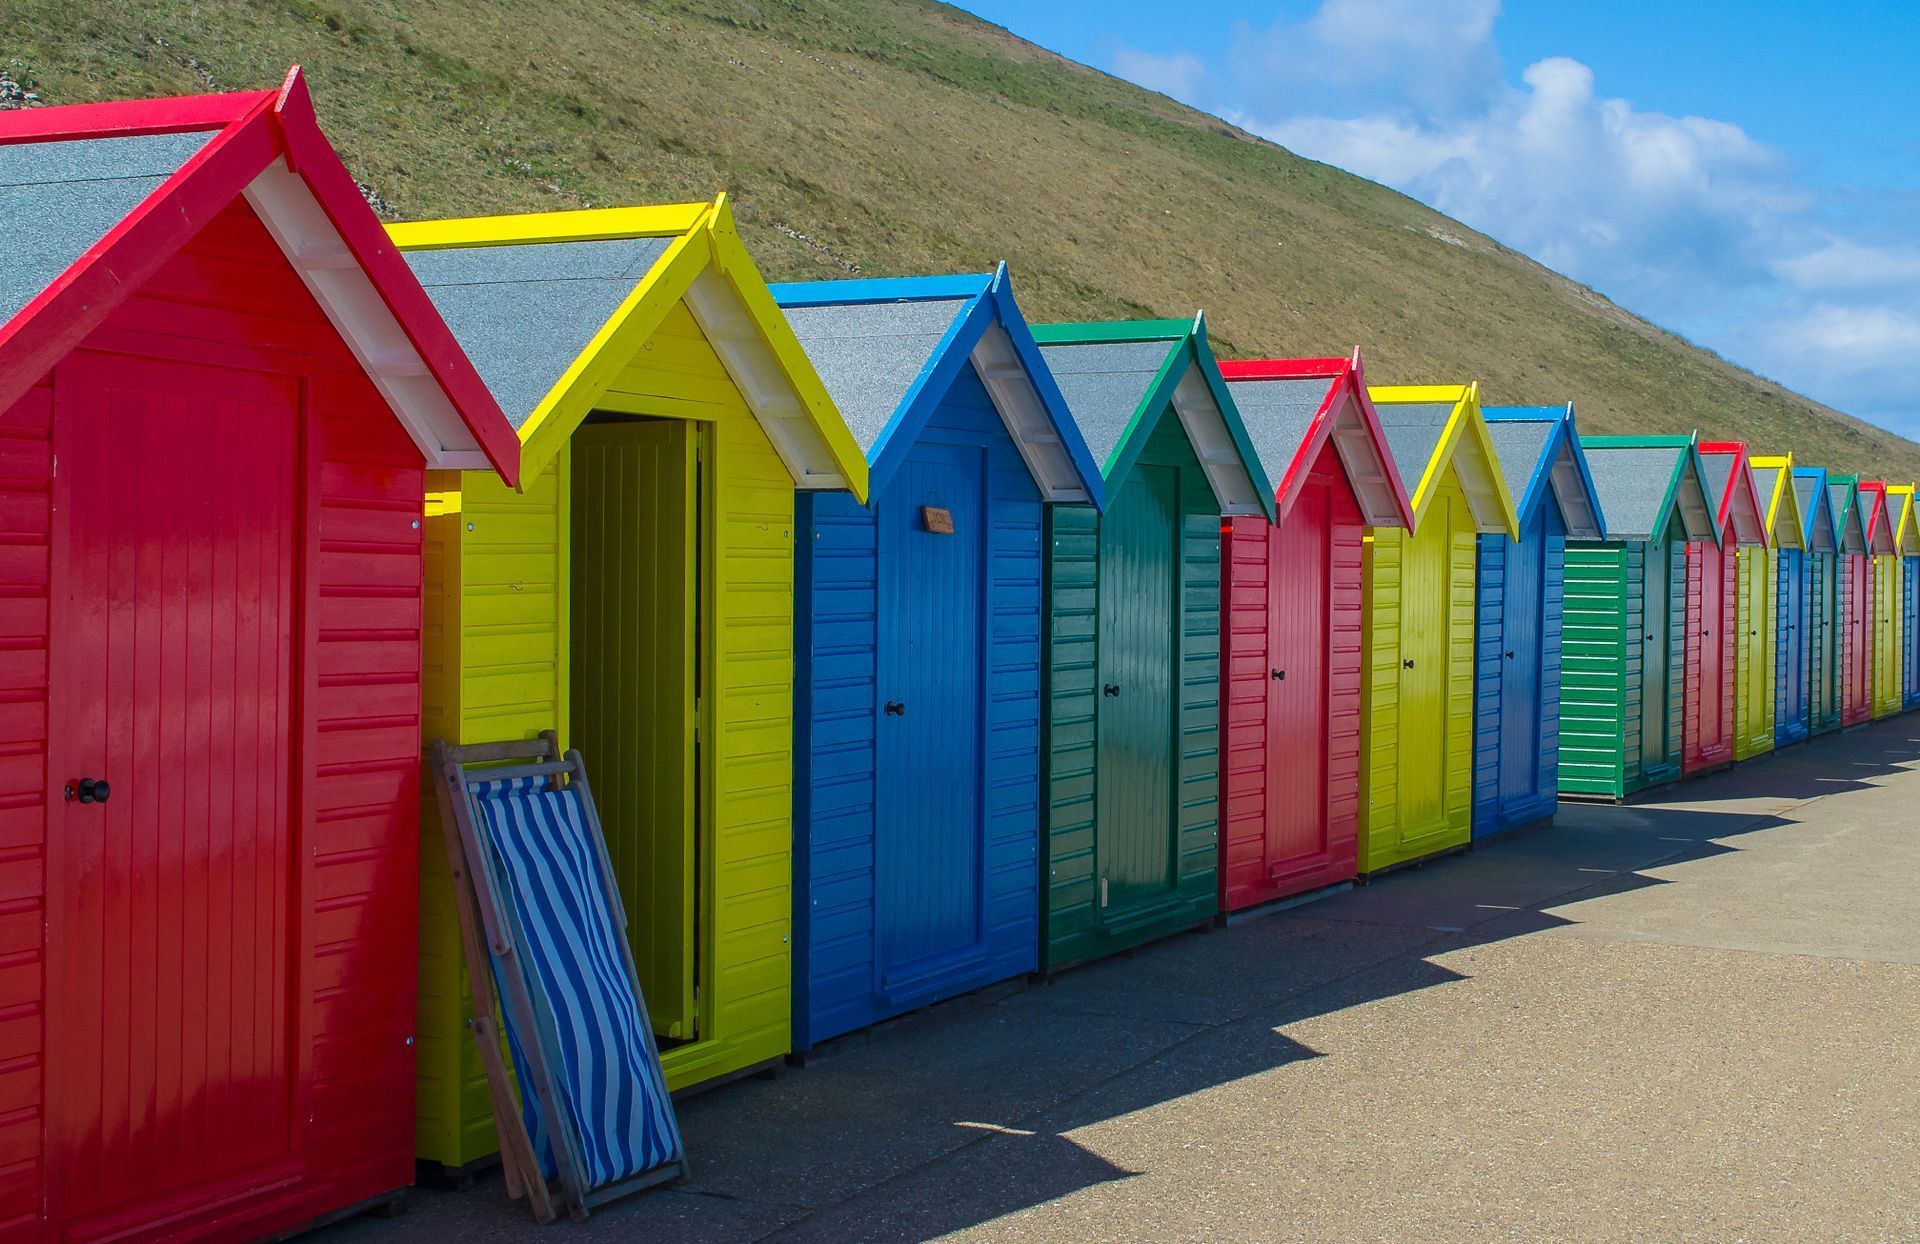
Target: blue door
(1523,626)
(1910,629)
(1790,712)
(928,866)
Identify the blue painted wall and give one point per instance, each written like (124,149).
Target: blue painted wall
(1519,609)
(1910,630)
(905,894)
(1792,649)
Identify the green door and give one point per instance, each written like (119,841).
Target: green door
(634,649)
(1135,838)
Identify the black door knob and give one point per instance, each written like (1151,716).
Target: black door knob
(1112,689)
(1280,675)
(1509,656)
(896,709)
(1407,664)
(88,790)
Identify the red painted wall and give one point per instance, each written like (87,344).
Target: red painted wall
(1707,731)
(1271,848)
(1856,640)
(230,299)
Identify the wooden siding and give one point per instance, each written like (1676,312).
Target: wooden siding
(840,798)
(1707,739)
(1493,812)
(1793,646)
(1263,858)
(1827,606)
(1755,641)
(1887,648)
(229,298)
(1072,927)
(1392,831)
(1597,662)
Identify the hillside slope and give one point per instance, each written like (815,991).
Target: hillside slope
(900,136)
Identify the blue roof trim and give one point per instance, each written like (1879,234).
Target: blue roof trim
(1811,514)
(881,289)
(1565,434)
(1055,402)
(990,299)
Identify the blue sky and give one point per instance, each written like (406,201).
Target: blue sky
(1745,174)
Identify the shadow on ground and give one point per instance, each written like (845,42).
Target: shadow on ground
(986,1088)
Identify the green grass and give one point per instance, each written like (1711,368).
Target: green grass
(897,136)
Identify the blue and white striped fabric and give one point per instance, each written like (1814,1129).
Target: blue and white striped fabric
(614,1096)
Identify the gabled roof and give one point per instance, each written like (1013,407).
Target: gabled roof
(1773,479)
(1294,407)
(888,350)
(1434,428)
(552,307)
(1540,456)
(1849,518)
(1873,499)
(1738,509)
(1645,482)
(1906,522)
(1120,378)
(94,198)
(1817,525)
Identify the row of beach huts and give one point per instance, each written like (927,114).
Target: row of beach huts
(913,647)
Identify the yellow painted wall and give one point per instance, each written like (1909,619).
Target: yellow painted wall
(1754,689)
(1887,657)
(1418,604)
(497,668)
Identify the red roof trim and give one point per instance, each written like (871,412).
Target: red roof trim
(1723,508)
(1283,369)
(1347,384)
(257,127)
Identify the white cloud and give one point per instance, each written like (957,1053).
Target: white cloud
(1688,220)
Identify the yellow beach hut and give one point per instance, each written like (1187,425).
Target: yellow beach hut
(1416,716)
(636,595)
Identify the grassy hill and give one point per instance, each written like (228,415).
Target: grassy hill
(900,136)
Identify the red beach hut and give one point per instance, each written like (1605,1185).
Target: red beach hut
(211,677)
(1713,605)
(1290,719)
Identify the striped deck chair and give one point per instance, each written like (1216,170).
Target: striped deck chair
(531,877)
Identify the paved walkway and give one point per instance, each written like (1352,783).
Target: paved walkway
(1691,1019)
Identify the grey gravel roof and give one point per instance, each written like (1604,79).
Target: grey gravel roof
(1631,483)
(1277,415)
(1104,384)
(1517,447)
(1815,511)
(59,198)
(1718,472)
(1765,480)
(1413,431)
(524,312)
(869,353)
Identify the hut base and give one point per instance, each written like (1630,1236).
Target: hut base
(444,1178)
(1273,907)
(1460,848)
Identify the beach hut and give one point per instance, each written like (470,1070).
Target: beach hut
(1854,604)
(1518,628)
(213,667)
(1131,661)
(1290,719)
(1729,656)
(1623,642)
(1824,538)
(637,596)
(1417,614)
(1883,603)
(917,695)
(1782,615)
(1906,538)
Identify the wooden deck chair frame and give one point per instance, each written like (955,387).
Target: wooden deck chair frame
(480,908)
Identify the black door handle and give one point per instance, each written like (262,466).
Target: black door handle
(1509,656)
(88,790)
(1112,689)
(896,709)
(1280,675)
(1407,664)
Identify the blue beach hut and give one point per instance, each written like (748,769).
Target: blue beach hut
(918,696)
(1517,633)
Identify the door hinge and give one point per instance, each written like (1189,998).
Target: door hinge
(1103,891)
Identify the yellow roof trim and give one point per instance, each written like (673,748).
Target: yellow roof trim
(1906,535)
(1464,427)
(707,243)
(598,224)
(1784,505)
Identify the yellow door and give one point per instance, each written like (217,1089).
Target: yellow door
(634,672)
(1425,612)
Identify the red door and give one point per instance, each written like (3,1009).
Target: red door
(1299,616)
(170,1028)
(1712,742)
(1856,684)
